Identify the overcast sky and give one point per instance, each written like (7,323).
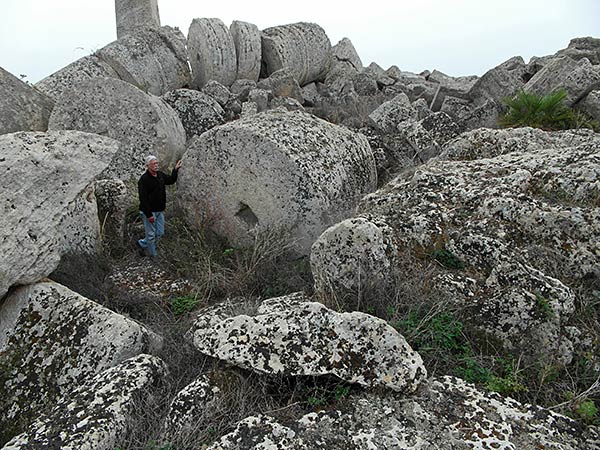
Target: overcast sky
(458,37)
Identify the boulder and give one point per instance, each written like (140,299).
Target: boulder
(143,123)
(246,39)
(96,414)
(291,104)
(212,52)
(241,88)
(261,98)
(133,15)
(311,95)
(577,78)
(154,60)
(446,414)
(217,91)
(450,86)
(590,105)
(389,114)
(365,84)
(584,47)
(80,226)
(275,169)
(83,69)
(55,339)
(282,84)
(198,112)
(113,200)
(44,175)
(502,81)
(22,107)
(293,336)
(302,47)
(344,53)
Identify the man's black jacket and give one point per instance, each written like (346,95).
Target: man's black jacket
(151,191)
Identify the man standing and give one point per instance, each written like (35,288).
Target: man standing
(153,199)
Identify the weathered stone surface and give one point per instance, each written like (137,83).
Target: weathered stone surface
(365,84)
(302,47)
(590,105)
(261,98)
(311,95)
(83,69)
(96,414)
(241,88)
(282,84)
(80,227)
(217,91)
(22,107)
(44,174)
(56,339)
(113,200)
(133,15)
(294,336)
(275,169)
(500,82)
(198,112)
(211,52)
(389,114)
(446,414)
(143,123)
(483,116)
(248,50)
(583,47)
(344,53)
(155,60)
(291,104)
(450,86)
(577,78)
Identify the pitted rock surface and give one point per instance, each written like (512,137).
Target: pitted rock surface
(216,90)
(95,415)
(389,114)
(302,47)
(198,111)
(344,52)
(293,336)
(211,52)
(44,175)
(500,82)
(133,15)
(446,414)
(282,84)
(22,107)
(80,227)
(583,47)
(56,339)
(248,49)
(590,105)
(154,60)
(113,199)
(143,123)
(275,169)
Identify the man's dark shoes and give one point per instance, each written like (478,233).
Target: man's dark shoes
(141,250)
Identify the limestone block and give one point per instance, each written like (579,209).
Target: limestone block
(583,47)
(198,112)
(217,91)
(590,105)
(344,52)
(577,78)
(143,123)
(261,98)
(56,339)
(241,89)
(80,227)
(302,47)
(294,336)
(423,139)
(388,115)
(97,414)
(133,15)
(282,84)
(155,60)
(113,200)
(211,52)
(502,81)
(275,169)
(44,174)
(248,50)
(22,107)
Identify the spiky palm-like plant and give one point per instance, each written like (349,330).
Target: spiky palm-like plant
(547,112)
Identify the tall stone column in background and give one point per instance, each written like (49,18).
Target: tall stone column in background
(134,14)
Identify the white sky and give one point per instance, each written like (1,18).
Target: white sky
(458,37)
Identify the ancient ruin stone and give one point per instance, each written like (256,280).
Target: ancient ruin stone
(22,107)
(502,81)
(217,91)
(143,123)
(211,52)
(577,78)
(55,339)
(293,336)
(275,169)
(246,38)
(446,414)
(44,174)
(154,60)
(282,84)
(241,88)
(198,112)
(389,114)
(133,15)
(344,53)
(80,228)
(583,47)
(113,200)
(590,105)
(302,47)
(97,414)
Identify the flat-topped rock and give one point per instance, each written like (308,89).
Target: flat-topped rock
(133,15)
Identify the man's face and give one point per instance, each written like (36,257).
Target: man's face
(153,165)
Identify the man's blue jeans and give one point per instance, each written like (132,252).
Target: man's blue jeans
(153,231)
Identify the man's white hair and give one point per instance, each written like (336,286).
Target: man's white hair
(150,158)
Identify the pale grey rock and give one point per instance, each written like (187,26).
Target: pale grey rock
(590,105)
(44,175)
(22,107)
(577,78)
(133,15)
(302,47)
(198,111)
(282,84)
(344,53)
(311,95)
(290,104)
(212,52)
(248,49)
(216,90)
(249,108)
(83,69)
(57,339)
(143,123)
(502,81)
(457,108)
(241,88)
(422,109)
(95,415)
(293,336)
(389,114)
(113,200)
(365,84)
(354,257)
(80,227)
(446,414)
(154,60)
(275,169)
(450,86)
(261,98)
(583,47)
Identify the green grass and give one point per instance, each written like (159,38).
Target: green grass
(184,304)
